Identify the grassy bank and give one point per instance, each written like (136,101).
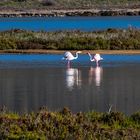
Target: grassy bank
(53,8)
(65,125)
(111,39)
(66,4)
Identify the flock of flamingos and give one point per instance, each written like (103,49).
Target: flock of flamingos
(69,57)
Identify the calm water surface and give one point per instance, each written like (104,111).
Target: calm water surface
(69,23)
(28,82)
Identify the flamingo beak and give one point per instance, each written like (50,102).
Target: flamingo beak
(79,52)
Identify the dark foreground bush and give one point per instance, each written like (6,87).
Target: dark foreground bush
(111,39)
(65,125)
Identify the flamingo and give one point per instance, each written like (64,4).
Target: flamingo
(68,56)
(96,58)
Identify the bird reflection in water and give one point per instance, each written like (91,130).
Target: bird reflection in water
(96,75)
(73,78)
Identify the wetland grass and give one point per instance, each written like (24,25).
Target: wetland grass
(66,125)
(110,39)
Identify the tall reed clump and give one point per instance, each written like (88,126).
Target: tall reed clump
(66,125)
(111,39)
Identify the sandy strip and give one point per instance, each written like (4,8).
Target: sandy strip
(62,51)
(64,11)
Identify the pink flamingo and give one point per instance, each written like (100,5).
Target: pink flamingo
(95,58)
(68,56)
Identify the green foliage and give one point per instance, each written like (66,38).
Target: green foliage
(110,39)
(136,117)
(113,117)
(66,125)
(7,43)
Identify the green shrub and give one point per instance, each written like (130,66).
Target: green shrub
(65,125)
(136,117)
(111,118)
(71,40)
(7,43)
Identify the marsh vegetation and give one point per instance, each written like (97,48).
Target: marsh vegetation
(66,125)
(110,39)
(65,4)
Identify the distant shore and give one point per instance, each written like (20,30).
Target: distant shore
(73,51)
(70,12)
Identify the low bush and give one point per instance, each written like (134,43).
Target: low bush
(136,117)
(7,43)
(65,125)
(71,40)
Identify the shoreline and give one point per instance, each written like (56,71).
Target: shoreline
(70,12)
(73,51)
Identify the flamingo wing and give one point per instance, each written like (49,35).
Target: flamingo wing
(97,57)
(68,56)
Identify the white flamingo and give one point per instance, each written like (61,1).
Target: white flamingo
(95,58)
(68,56)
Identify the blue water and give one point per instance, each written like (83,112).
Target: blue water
(55,60)
(69,23)
(30,81)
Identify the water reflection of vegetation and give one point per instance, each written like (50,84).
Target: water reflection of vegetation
(110,39)
(66,125)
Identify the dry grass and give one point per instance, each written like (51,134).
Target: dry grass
(67,4)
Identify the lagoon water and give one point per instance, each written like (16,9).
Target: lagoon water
(69,23)
(28,82)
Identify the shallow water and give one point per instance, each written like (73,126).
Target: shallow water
(69,23)
(28,82)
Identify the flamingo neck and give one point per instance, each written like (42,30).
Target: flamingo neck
(91,59)
(76,55)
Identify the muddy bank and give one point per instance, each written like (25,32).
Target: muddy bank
(73,51)
(61,13)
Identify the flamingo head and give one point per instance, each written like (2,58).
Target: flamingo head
(79,51)
(89,54)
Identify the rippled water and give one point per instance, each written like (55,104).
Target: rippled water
(28,82)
